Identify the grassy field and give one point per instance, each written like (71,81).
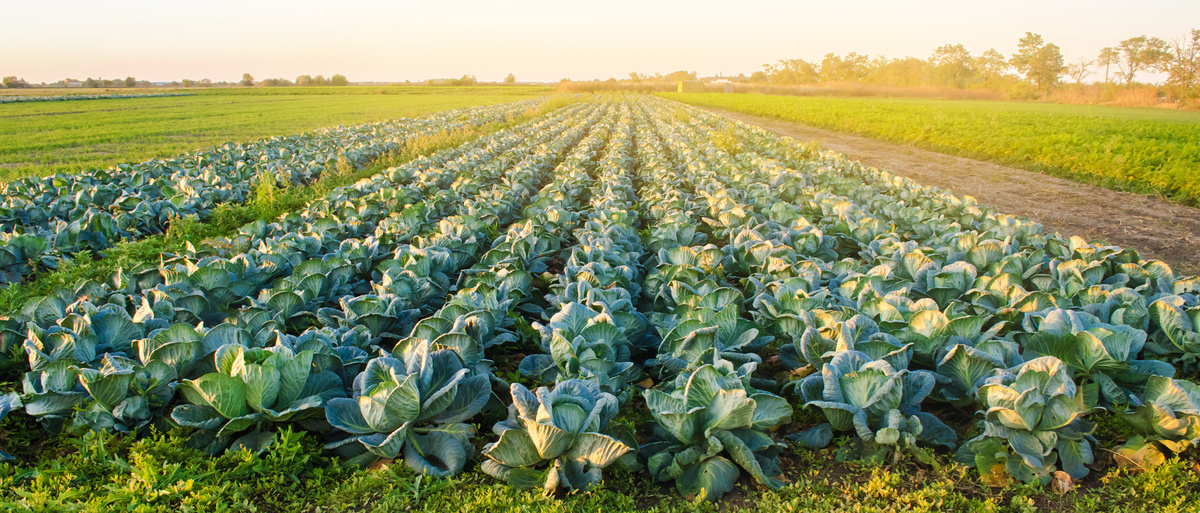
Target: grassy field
(1153,151)
(52,137)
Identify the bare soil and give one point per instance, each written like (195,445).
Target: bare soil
(1157,228)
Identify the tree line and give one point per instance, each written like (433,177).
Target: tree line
(301,81)
(15,82)
(1037,68)
(1036,62)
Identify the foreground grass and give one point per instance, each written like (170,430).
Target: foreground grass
(158,472)
(53,137)
(1151,151)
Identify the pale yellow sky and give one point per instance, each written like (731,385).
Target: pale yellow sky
(536,40)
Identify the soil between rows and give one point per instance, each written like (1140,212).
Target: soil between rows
(1158,229)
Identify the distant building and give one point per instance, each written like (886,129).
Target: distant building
(74,83)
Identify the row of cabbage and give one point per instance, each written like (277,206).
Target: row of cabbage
(378,314)
(894,293)
(74,97)
(476,321)
(274,284)
(43,219)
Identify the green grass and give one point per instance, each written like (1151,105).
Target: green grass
(1154,151)
(52,137)
(158,472)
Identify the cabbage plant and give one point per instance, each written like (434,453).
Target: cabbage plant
(1105,354)
(252,389)
(1170,410)
(1178,328)
(8,403)
(881,404)
(416,406)
(51,394)
(554,437)
(124,394)
(1033,421)
(708,427)
(859,333)
(582,343)
(964,367)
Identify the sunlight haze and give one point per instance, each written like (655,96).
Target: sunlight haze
(376,40)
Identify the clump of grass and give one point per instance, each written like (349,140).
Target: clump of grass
(343,165)
(681,115)
(727,140)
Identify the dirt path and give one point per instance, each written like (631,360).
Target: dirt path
(1156,228)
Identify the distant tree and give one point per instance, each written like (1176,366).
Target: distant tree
(276,82)
(952,65)
(13,82)
(247,79)
(1040,62)
(130,82)
(1142,53)
(319,80)
(635,77)
(759,77)
(791,71)
(1108,57)
(204,82)
(991,65)
(91,82)
(338,80)
(851,68)
(107,82)
(1183,70)
(1080,69)
(187,82)
(909,71)
(677,76)
(510,79)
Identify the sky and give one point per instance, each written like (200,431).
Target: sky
(379,40)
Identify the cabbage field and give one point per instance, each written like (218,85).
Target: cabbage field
(47,137)
(625,302)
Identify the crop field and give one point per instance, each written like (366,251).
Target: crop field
(13,98)
(597,303)
(42,138)
(1151,151)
